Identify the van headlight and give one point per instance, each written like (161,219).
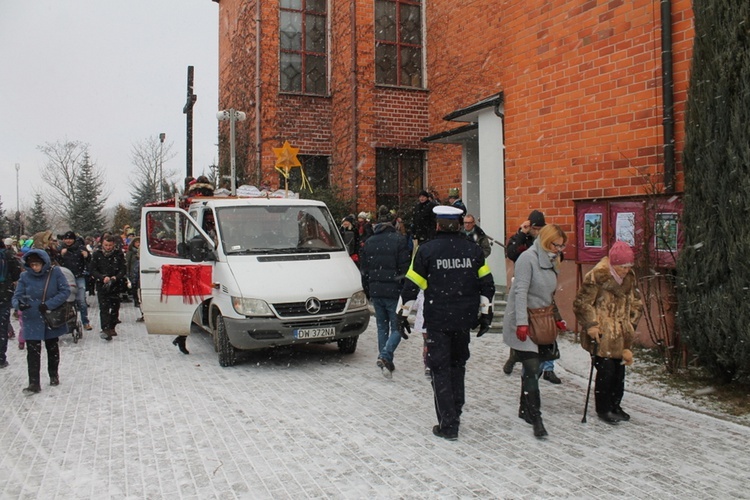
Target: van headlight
(251,307)
(359,299)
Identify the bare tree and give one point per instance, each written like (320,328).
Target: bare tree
(148,156)
(60,173)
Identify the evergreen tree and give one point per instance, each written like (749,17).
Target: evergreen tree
(145,191)
(123,217)
(4,223)
(87,212)
(714,268)
(38,220)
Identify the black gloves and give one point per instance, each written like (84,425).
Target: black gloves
(43,308)
(403,326)
(484,323)
(22,305)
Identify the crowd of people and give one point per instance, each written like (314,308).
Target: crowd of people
(41,274)
(437,269)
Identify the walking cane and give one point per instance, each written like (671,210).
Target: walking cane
(588,391)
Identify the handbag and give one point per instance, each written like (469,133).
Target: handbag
(60,316)
(542,328)
(549,352)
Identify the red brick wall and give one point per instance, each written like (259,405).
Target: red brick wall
(581,82)
(582,89)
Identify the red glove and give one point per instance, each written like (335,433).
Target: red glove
(561,325)
(522,332)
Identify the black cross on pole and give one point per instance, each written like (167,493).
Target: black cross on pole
(188,110)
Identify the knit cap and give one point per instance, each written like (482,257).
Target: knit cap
(621,254)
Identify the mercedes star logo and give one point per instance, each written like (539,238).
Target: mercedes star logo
(312,305)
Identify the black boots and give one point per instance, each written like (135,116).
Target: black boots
(609,389)
(532,412)
(512,360)
(179,341)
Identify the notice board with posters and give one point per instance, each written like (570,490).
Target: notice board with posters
(650,223)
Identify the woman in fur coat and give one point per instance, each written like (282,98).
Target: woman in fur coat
(608,307)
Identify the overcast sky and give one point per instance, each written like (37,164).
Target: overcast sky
(109,73)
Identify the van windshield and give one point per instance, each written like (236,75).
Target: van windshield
(276,229)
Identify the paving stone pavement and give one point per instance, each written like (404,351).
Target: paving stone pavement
(135,418)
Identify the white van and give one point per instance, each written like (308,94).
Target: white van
(252,272)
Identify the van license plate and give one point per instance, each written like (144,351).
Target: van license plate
(314,333)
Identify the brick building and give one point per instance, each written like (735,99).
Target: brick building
(522,104)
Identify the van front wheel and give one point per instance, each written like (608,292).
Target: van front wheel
(227,352)
(348,345)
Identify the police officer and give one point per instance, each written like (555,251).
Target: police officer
(457,284)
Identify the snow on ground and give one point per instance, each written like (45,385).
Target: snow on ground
(134,418)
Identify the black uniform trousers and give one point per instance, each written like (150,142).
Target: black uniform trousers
(447,353)
(109,309)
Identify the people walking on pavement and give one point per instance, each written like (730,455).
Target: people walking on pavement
(40,288)
(74,255)
(423,218)
(133,266)
(457,285)
(475,233)
(533,287)
(517,244)
(608,307)
(108,269)
(385,260)
(454,200)
(10,272)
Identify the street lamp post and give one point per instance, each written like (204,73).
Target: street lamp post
(162,136)
(18,202)
(232,115)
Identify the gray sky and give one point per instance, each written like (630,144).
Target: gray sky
(109,73)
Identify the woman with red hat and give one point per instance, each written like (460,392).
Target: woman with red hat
(608,307)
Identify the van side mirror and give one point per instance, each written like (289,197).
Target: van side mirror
(199,250)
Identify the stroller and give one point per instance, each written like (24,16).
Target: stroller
(75,327)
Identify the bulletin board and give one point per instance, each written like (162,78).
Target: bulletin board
(634,220)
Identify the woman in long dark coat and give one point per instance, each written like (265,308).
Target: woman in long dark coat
(28,300)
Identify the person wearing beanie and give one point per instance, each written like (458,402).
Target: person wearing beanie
(608,307)
(458,286)
(74,256)
(364,230)
(517,244)
(350,237)
(454,200)
(383,264)
(423,218)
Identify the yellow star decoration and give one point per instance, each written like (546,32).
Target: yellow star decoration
(286,159)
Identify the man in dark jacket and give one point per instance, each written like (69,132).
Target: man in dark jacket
(384,262)
(457,285)
(108,269)
(10,271)
(74,256)
(524,237)
(423,219)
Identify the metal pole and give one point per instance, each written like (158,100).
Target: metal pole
(18,203)
(233,170)
(162,136)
